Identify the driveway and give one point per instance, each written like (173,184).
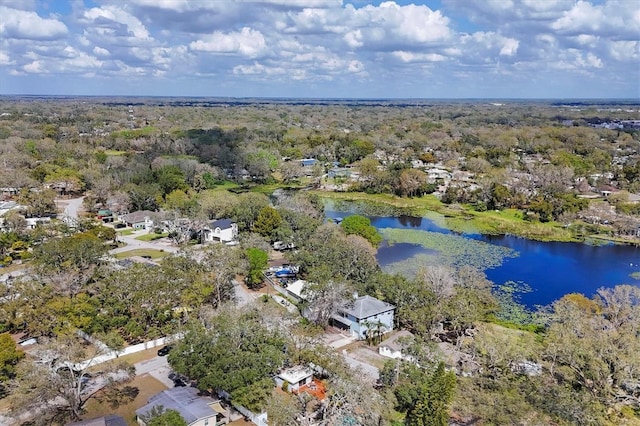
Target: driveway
(370,372)
(157,367)
(72,207)
(133,244)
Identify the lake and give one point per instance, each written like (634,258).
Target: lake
(550,269)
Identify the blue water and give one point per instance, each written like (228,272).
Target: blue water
(550,269)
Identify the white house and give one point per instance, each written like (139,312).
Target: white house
(392,347)
(294,377)
(194,409)
(138,220)
(366,315)
(224,230)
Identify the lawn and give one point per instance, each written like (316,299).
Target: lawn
(132,396)
(154,254)
(125,232)
(151,237)
(114,152)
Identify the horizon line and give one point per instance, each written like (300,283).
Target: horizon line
(7,95)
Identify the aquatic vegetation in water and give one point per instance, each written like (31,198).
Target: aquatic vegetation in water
(452,250)
(512,311)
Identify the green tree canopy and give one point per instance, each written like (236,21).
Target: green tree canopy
(257,264)
(236,354)
(360,225)
(9,357)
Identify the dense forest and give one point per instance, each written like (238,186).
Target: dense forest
(556,171)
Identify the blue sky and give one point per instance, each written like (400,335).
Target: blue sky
(322,48)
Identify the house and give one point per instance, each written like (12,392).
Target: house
(8,192)
(295,290)
(366,315)
(105,215)
(111,420)
(308,162)
(339,172)
(138,220)
(195,410)
(223,230)
(392,347)
(294,378)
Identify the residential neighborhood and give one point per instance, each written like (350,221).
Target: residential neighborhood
(306,264)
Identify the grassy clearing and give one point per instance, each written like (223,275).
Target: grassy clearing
(155,254)
(114,152)
(152,237)
(141,388)
(140,356)
(11,268)
(125,232)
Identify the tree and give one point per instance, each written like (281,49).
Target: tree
(9,357)
(360,225)
(248,208)
(411,182)
(161,417)
(324,299)
(257,264)
(57,381)
(39,203)
(235,353)
(429,399)
(267,222)
(68,262)
(500,197)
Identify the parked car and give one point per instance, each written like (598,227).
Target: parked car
(164,351)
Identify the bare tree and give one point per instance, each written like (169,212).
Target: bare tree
(63,377)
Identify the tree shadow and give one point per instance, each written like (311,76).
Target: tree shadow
(117,397)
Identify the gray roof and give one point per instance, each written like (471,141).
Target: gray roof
(111,420)
(136,217)
(221,223)
(184,400)
(367,306)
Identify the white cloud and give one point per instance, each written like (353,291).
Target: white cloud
(99,51)
(248,42)
(21,24)
(103,18)
(418,57)
(274,42)
(509,47)
(5,60)
(35,67)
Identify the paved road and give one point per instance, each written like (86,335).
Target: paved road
(72,207)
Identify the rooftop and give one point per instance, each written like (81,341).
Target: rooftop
(367,306)
(184,400)
(221,223)
(111,420)
(296,374)
(135,217)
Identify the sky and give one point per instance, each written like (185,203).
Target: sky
(322,48)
